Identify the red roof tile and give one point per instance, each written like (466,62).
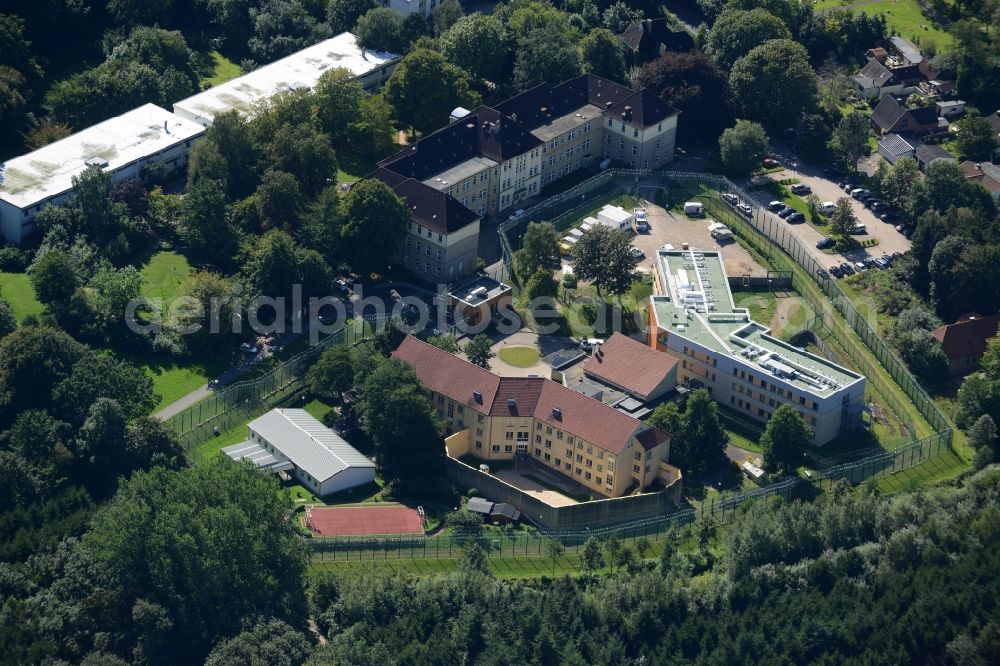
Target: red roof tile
(629,364)
(590,420)
(967,336)
(436,370)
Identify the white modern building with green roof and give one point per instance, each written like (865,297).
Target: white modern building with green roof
(693,318)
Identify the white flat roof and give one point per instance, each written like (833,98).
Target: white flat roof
(300,69)
(48,171)
(309,444)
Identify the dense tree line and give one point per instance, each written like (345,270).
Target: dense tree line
(203,564)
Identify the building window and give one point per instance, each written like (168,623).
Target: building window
(496,448)
(479,444)
(635,134)
(538,452)
(508,448)
(635,468)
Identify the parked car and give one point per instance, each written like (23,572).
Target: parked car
(730,198)
(836,271)
(801,188)
(859,229)
(879,207)
(902,227)
(249,348)
(888,215)
(769,163)
(869,262)
(847,268)
(827,207)
(796,217)
(775,206)
(517,214)
(847,186)
(785,212)
(859,192)
(896,255)
(637,253)
(860,267)
(882,262)
(340,284)
(824,243)
(745,209)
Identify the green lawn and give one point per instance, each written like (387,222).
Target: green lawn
(351,168)
(762,304)
(217,68)
(519,357)
(162,275)
(902,16)
(173,380)
(16,289)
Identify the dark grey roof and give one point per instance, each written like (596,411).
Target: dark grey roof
(875,75)
(309,444)
(504,509)
(925,115)
(994,120)
(652,38)
(906,49)
(429,207)
(927,153)
(479,505)
(896,145)
(888,112)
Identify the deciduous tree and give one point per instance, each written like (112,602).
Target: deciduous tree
(774,83)
(545,54)
(424,89)
(850,138)
(692,83)
(464,45)
(381,29)
(604,257)
(479,350)
(743,147)
(375,220)
(737,31)
(784,440)
(603,54)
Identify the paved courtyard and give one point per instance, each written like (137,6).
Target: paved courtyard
(550,497)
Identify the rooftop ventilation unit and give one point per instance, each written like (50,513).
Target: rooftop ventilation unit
(97,162)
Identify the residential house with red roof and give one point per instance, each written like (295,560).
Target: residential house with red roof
(964,342)
(493,418)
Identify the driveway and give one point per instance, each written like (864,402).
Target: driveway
(826,190)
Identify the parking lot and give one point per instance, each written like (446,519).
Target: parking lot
(674,229)
(890,240)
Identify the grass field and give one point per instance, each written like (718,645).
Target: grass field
(174,379)
(519,357)
(902,16)
(162,275)
(16,289)
(351,168)
(217,68)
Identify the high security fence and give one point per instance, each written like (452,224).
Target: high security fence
(782,249)
(224,409)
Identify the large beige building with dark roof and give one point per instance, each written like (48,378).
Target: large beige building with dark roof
(492,159)
(493,418)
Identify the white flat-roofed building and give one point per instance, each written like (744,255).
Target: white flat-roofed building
(694,319)
(121,145)
(292,440)
(301,69)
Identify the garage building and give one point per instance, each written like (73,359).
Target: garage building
(293,441)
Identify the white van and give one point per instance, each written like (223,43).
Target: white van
(694,208)
(827,207)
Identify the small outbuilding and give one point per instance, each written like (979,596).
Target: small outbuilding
(504,514)
(480,505)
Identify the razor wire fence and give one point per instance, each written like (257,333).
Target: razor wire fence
(782,249)
(228,407)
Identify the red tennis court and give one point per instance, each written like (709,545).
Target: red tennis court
(357,520)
